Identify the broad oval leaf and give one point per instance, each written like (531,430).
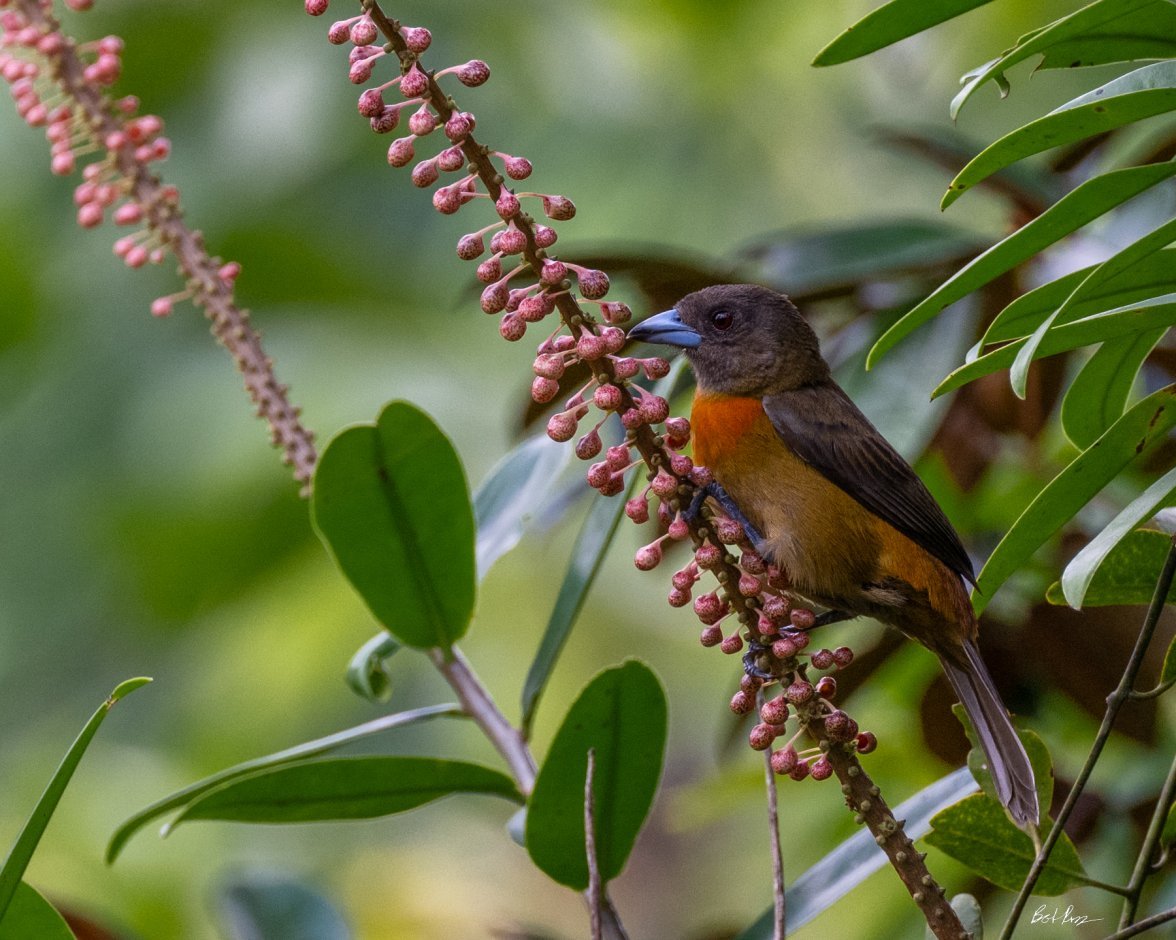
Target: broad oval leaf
(1090,18)
(1084,203)
(1154,275)
(1098,395)
(30,916)
(1127,575)
(620,716)
(344,788)
(510,493)
(259,905)
(1140,317)
(977,832)
(1147,421)
(1140,94)
(289,755)
(391,503)
(889,24)
(1081,569)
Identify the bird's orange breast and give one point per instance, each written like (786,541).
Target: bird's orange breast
(722,425)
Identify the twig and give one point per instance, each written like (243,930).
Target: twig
(1145,925)
(780,923)
(478,704)
(595,888)
(1143,863)
(1114,702)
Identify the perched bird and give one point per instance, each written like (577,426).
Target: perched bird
(824,497)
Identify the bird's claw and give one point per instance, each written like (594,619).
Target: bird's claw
(716,492)
(749,665)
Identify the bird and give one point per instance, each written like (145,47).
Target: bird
(825,497)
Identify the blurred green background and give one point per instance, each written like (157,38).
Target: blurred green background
(147,529)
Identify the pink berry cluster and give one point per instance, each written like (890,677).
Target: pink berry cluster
(126,143)
(525,284)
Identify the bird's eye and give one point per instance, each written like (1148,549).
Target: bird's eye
(722,320)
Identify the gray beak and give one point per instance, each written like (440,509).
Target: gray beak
(666,328)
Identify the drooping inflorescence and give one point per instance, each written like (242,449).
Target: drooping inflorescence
(65,87)
(526,283)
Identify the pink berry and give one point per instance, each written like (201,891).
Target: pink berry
(637,510)
(507,205)
(866,741)
(339,32)
(803,619)
(470,246)
(732,644)
(494,297)
(593,284)
(489,270)
(422,121)
(822,769)
(775,711)
(607,397)
(386,121)
(317,7)
(589,445)
(161,307)
(414,83)
(741,702)
(709,609)
(800,771)
(708,556)
(544,390)
(425,173)
(451,159)
(545,236)
(842,656)
(799,692)
(364,32)
(549,365)
(473,73)
(459,126)
(648,556)
(821,659)
(559,208)
(561,427)
(826,687)
(417,38)
(519,168)
(401,152)
(761,737)
(512,328)
(784,760)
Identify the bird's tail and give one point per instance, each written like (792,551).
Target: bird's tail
(1007,761)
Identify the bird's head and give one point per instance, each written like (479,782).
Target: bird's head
(742,339)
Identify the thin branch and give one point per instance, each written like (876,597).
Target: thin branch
(1145,925)
(1156,692)
(1143,862)
(595,888)
(780,921)
(1115,702)
(478,704)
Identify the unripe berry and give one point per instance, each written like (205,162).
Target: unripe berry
(749,683)
(800,771)
(616,312)
(822,769)
(507,204)
(415,83)
(654,409)
(494,297)
(749,585)
(489,270)
(752,563)
(364,32)
(401,152)
(709,609)
(371,103)
(549,365)
(417,38)
(663,484)
(317,7)
(512,328)
(447,200)
(821,659)
(631,419)
(614,338)
(637,510)
(728,530)
(837,725)
(625,368)
(544,390)
(741,702)
(648,556)
(451,159)
(470,246)
(681,464)
(559,208)
(339,32)
(678,429)
(552,272)
(425,173)
(701,476)
(799,692)
(684,580)
(732,644)
(775,710)
(802,618)
(534,309)
(593,284)
(589,445)
(545,236)
(386,121)
(678,598)
(607,397)
(590,347)
(784,760)
(678,529)
(842,656)
(783,648)
(518,168)
(707,555)
(422,121)
(473,73)
(459,125)
(761,737)
(510,241)
(561,427)
(598,474)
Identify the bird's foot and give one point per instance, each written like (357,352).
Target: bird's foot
(716,492)
(749,665)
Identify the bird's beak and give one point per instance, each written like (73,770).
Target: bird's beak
(666,328)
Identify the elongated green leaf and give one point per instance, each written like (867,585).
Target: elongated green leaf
(1142,316)
(505,500)
(1154,275)
(890,23)
(620,716)
(297,753)
(1168,833)
(1140,94)
(31,917)
(1081,569)
(1075,486)
(367,673)
(1147,33)
(272,906)
(587,556)
(1168,673)
(1079,23)
(1071,212)
(1115,265)
(26,842)
(391,504)
(1128,573)
(978,833)
(1098,395)
(840,257)
(344,788)
(859,856)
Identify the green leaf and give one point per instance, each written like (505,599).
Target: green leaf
(840,257)
(368,673)
(1095,16)
(587,556)
(1098,395)
(26,842)
(510,493)
(30,916)
(1127,575)
(1140,94)
(1082,567)
(1141,316)
(391,504)
(1147,33)
(890,23)
(978,832)
(1147,421)
(859,856)
(270,906)
(1084,203)
(1155,274)
(1168,673)
(298,752)
(1168,833)
(343,788)
(621,716)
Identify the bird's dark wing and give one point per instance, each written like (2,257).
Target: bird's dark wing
(828,432)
